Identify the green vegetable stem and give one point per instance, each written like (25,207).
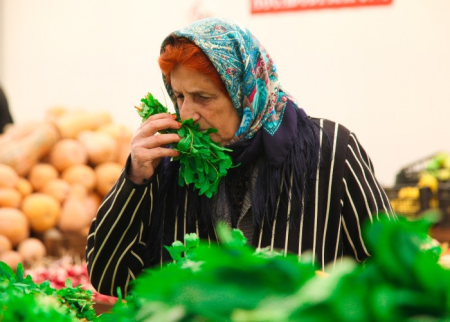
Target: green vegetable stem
(202,161)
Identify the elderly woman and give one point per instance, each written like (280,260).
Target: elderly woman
(302,184)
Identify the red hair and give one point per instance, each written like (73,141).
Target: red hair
(181,51)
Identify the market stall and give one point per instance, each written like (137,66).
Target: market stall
(424,185)
(54,173)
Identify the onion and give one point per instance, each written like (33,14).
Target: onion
(31,250)
(5,244)
(12,258)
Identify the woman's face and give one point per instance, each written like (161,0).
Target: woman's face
(201,99)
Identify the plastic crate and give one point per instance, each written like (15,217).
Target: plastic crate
(409,200)
(413,205)
(417,175)
(410,173)
(443,196)
(72,243)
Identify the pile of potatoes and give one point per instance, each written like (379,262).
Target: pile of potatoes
(54,174)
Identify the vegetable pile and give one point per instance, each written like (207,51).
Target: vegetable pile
(402,281)
(54,173)
(21,299)
(439,166)
(58,271)
(202,161)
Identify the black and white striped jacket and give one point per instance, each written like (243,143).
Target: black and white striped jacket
(345,194)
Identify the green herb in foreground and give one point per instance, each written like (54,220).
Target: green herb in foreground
(202,161)
(23,300)
(401,281)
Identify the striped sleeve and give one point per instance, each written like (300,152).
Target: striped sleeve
(116,244)
(363,199)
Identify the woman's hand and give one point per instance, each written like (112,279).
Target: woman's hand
(148,146)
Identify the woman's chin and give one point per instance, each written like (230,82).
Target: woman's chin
(216,139)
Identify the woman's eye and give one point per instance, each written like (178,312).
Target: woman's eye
(203,99)
(180,99)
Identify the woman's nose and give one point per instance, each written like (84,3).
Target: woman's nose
(188,110)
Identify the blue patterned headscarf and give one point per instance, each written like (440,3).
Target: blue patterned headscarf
(247,70)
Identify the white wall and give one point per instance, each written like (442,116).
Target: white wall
(384,72)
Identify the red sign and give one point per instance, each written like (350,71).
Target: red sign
(271,6)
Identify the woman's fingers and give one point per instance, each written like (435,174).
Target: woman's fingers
(146,156)
(159,140)
(157,123)
(149,146)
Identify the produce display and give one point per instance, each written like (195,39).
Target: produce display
(403,280)
(54,173)
(439,166)
(23,300)
(58,271)
(430,177)
(202,162)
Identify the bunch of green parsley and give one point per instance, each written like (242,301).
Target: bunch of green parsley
(202,161)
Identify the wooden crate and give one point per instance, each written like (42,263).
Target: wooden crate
(59,244)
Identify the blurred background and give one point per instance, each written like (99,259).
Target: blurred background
(379,67)
(381,70)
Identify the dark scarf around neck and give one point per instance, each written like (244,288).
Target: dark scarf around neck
(285,162)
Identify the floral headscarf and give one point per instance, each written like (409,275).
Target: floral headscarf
(246,69)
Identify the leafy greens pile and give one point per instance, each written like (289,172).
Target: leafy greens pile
(202,161)
(23,300)
(401,281)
